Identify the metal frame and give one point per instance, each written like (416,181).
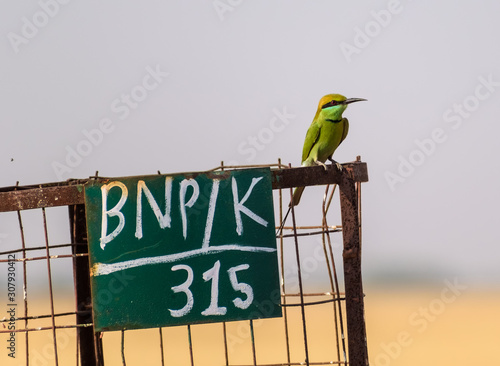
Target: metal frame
(89,344)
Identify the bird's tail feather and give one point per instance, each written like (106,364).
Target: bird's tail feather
(297,194)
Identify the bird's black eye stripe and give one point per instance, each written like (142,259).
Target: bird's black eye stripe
(329,104)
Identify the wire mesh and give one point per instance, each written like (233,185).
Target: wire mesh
(39,321)
(50,319)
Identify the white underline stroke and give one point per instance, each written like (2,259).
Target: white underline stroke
(101,269)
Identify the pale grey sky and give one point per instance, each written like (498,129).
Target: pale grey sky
(129,88)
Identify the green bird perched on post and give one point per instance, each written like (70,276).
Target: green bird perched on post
(327,131)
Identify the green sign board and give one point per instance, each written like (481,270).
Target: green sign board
(182,249)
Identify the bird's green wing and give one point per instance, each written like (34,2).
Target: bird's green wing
(312,137)
(345,130)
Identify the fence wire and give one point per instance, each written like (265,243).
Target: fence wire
(46,315)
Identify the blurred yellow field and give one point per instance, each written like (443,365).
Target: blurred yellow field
(424,327)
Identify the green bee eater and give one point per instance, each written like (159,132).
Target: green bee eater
(327,131)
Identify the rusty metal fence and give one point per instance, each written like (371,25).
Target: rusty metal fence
(44,269)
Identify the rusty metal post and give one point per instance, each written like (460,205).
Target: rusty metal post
(356,330)
(89,343)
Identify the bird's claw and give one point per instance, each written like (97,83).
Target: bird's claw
(339,166)
(322,164)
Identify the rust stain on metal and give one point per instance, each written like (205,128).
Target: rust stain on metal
(39,197)
(72,192)
(358,350)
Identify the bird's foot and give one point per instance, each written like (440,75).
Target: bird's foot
(339,166)
(322,164)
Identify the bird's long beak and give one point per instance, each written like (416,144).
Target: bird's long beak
(352,100)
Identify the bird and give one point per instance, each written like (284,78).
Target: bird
(327,131)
